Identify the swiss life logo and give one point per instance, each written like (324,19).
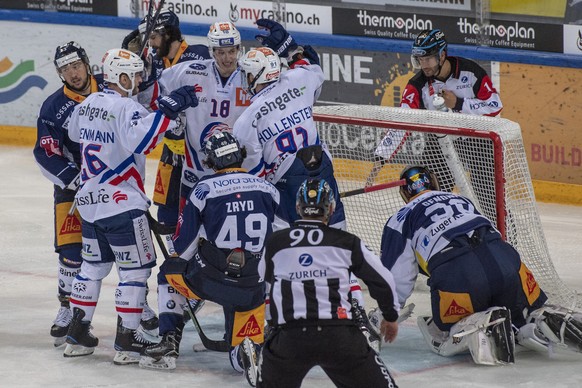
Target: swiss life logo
(16,80)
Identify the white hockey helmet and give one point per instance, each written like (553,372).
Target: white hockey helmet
(223,34)
(120,61)
(263,64)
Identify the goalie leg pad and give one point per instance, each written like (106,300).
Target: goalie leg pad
(487,335)
(560,326)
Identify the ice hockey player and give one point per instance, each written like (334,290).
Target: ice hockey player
(479,286)
(445,83)
(166,48)
(115,134)
(223,97)
(220,237)
(278,129)
(59,160)
(307,273)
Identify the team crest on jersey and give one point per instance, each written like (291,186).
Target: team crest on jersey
(201,191)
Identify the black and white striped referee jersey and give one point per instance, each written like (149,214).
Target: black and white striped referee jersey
(307,272)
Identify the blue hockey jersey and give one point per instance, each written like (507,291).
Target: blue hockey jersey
(56,154)
(233,209)
(420,230)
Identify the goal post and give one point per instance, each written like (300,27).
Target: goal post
(480,157)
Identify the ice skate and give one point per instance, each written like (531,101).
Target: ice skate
(149,324)
(61,323)
(247,354)
(80,341)
(130,345)
(164,354)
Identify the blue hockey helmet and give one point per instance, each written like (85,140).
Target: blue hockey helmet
(68,53)
(223,150)
(429,42)
(418,179)
(167,18)
(315,199)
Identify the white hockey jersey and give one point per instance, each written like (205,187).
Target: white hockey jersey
(280,121)
(115,135)
(218,108)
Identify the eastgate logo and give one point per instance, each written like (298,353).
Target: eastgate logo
(500,30)
(405,24)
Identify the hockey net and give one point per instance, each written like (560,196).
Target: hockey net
(482,158)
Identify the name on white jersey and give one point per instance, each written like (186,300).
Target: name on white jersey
(286,123)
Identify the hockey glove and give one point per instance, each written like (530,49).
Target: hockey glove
(177,101)
(275,37)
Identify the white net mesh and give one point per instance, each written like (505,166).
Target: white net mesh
(482,158)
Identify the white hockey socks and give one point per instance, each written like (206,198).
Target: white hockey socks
(129,302)
(85,295)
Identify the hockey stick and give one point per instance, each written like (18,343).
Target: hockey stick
(369,189)
(151,23)
(210,344)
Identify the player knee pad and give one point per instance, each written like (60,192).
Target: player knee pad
(140,275)
(95,271)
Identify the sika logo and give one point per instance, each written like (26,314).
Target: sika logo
(250,328)
(119,196)
(70,225)
(456,309)
(15,81)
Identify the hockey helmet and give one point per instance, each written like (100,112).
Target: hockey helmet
(428,43)
(223,150)
(68,53)
(418,179)
(119,61)
(263,64)
(223,34)
(315,199)
(166,18)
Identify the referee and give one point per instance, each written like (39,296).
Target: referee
(307,269)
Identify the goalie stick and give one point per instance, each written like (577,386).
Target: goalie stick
(369,189)
(210,344)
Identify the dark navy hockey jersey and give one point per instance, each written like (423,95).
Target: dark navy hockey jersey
(56,154)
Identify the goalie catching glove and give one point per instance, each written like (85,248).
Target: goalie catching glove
(177,101)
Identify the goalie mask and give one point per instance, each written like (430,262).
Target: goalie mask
(119,61)
(429,43)
(263,65)
(223,151)
(315,199)
(418,179)
(68,55)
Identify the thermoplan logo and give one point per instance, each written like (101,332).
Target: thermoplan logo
(15,81)
(572,39)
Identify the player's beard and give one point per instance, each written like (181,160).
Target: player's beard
(164,48)
(82,88)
